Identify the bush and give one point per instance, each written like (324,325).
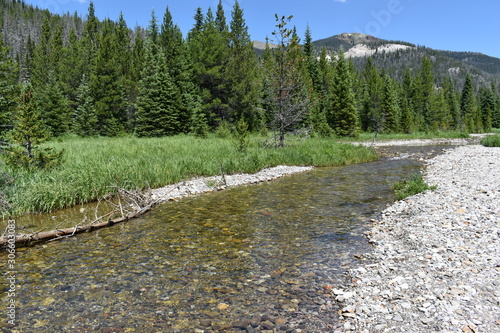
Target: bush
(411,186)
(241,135)
(223,131)
(491,141)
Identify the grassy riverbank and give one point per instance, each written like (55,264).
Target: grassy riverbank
(93,164)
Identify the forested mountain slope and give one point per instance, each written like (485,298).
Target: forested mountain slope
(483,68)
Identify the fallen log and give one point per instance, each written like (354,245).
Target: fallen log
(28,239)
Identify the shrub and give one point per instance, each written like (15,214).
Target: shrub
(491,141)
(411,186)
(241,135)
(223,131)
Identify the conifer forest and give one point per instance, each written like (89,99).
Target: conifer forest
(70,75)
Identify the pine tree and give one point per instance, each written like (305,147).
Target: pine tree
(220,18)
(171,41)
(441,117)
(389,106)
(123,48)
(107,88)
(157,114)
(318,116)
(9,89)
(408,85)
(180,68)
(85,122)
(343,117)
(137,63)
(27,134)
(407,116)
(425,93)
(468,107)
(57,50)
(241,135)
(267,65)
(199,126)
(487,107)
(496,110)
(42,63)
(54,107)
(198,25)
(408,121)
(312,62)
(209,52)
(453,104)
(71,69)
(124,63)
(370,115)
(90,39)
(153,31)
(190,99)
(25,64)
(241,72)
(137,57)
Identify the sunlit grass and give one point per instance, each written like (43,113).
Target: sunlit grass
(92,165)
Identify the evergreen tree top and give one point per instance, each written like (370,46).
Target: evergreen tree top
(152,31)
(220,18)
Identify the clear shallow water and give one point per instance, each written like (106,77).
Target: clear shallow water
(212,261)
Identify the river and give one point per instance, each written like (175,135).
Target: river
(261,256)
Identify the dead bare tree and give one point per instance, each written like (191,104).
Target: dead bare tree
(287,82)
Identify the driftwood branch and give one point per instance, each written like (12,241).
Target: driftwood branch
(135,204)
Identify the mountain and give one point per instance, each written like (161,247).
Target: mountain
(396,56)
(479,60)
(360,45)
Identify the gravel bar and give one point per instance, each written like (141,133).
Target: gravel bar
(201,185)
(435,266)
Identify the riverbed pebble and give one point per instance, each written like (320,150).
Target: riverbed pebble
(435,266)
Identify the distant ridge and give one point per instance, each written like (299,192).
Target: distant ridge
(395,56)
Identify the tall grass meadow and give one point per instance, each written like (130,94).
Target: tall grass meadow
(92,165)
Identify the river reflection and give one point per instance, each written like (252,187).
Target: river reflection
(263,256)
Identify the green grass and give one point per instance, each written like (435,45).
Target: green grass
(412,136)
(491,141)
(413,185)
(93,164)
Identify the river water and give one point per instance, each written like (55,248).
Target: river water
(263,256)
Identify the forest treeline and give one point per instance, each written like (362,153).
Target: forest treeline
(102,78)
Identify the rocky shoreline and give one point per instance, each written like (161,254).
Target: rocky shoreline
(201,185)
(435,266)
(473,139)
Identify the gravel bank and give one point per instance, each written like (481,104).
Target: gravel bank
(436,261)
(420,142)
(473,139)
(201,185)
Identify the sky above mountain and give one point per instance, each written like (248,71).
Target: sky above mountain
(455,25)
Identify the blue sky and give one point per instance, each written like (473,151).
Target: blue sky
(457,25)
